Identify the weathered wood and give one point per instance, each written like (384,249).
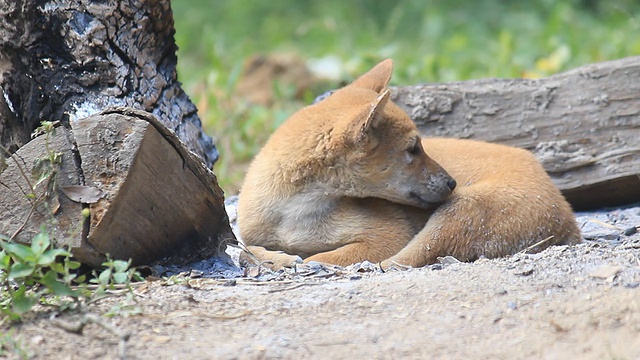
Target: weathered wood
(149,197)
(64,60)
(583,125)
(26,207)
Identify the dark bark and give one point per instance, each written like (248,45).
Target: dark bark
(68,59)
(583,125)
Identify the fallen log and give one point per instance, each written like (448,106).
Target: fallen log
(583,125)
(145,196)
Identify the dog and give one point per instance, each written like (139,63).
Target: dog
(350,179)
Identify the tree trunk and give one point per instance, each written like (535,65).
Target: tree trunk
(583,125)
(64,60)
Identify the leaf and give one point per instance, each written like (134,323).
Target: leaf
(120,278)
(57,267)
(83,194)
(49,257)
(21,270)
(22,302)
(46,259)
(73,265)
(21,251)
(50,280)
(120,265)
(40,243)
(104,277)
(5,260)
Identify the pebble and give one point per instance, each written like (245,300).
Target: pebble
(602,234)
(630,231)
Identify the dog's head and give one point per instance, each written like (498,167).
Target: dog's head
(383,148)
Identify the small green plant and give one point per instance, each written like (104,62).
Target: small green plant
(115,273)
(29,272)
(9,346)
(40,273)
(46,167)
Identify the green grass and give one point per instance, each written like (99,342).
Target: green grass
(430,41)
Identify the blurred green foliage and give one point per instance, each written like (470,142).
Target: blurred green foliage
(429,40)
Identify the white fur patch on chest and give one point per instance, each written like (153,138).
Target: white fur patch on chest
(304,223)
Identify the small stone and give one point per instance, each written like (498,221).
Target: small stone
(525,271)
(630,231)
(365,266)
(601,234)
(194,274)
(597,228)
(37,340)
(230,282)
(606,271)
(448,260)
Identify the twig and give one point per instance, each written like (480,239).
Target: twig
(24,223)
(290,287)
(21,169)
(114,286)
(199,282)
(524,251)
(20,166)
(186,313)
(77,327)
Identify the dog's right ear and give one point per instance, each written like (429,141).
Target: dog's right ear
(361,126)
(377,78)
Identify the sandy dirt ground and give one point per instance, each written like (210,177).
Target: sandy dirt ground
(577,302)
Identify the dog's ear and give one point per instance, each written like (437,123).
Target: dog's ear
(367,117)
(377,78)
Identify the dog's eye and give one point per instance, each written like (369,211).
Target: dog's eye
(415,149)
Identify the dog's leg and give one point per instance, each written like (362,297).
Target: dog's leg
(342,256)
(351,253)
(485,221)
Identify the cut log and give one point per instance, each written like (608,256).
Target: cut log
(149,198)
(583,125)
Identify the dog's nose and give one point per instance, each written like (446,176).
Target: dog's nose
(452,184)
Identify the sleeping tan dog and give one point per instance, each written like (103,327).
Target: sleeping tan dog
(350,179)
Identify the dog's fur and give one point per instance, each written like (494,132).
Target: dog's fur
(347,180)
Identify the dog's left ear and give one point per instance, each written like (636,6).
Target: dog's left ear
(367,117)
(377,78)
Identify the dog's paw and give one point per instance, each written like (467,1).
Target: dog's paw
(389,264)
(274,260)
(285,260)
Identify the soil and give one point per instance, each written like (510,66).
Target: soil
(581,301)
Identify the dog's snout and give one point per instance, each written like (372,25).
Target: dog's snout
(452,184)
